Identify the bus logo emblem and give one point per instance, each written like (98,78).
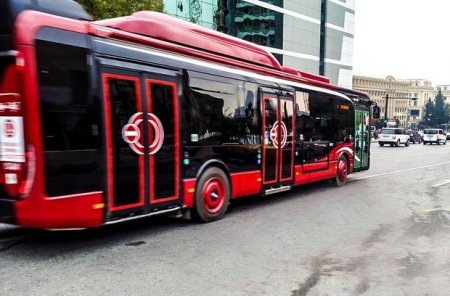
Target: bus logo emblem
(133,130)
(9,129)
(279,125)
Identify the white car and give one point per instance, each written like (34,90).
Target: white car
(434,135)
(393,136)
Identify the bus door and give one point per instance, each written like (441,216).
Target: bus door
(142,140)
(362,139)
(278,148)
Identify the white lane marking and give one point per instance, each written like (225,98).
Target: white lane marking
(442,183)
(438,209)
(401,171)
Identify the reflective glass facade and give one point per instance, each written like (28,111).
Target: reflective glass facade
(314,36)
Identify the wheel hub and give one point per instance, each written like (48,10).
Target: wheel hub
(214,195)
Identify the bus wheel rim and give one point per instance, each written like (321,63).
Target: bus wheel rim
(342,170)
(213,195)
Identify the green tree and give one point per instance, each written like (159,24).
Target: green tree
(428,119)
(102,9)
(440,113)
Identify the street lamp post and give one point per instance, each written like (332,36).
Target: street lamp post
(386,107)
(408,110)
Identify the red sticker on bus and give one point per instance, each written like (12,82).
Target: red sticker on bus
(281,126)
(132,133)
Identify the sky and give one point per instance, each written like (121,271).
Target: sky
(409,39)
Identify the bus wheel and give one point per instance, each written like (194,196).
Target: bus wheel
(342,171)
(212,195)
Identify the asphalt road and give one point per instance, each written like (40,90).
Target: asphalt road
(387,232)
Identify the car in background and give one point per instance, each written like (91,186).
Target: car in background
(434,135)
(393,136)
(421,134)
(447,136)
(414,137)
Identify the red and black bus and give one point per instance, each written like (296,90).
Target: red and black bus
(108,121)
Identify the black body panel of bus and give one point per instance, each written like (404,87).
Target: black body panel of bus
(238,153)
(237,157)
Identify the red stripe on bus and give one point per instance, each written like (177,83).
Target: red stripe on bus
(153,199)
(109,144)
(264,144)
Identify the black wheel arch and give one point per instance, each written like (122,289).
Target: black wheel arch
(218,164)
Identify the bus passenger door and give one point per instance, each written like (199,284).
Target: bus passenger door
(362,139)
(142,140)
(278,148)
(161,93)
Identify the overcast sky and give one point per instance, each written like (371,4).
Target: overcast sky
(408,39)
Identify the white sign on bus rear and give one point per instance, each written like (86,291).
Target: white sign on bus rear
(11,139)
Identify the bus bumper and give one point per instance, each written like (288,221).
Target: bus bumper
(65,212)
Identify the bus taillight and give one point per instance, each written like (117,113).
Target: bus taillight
(30,170)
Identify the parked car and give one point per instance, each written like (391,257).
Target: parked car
(447,135)
(434,135)
(393,136)
(414,137)
(421,134)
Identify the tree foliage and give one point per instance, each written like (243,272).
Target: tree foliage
(428,119)
(102,9)
(436,113)
(440,109)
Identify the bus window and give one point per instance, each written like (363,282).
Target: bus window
(214,113)
(70,119)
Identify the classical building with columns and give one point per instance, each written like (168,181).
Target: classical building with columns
(406,97)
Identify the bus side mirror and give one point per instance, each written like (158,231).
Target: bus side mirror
(376,112)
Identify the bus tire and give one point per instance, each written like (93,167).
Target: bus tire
(212,195)
(342,171)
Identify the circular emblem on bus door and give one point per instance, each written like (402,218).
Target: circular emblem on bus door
(278,126)
(8,128)
(132,133)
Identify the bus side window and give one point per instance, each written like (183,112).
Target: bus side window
(219,111)
(303,119)
(70,118)
(321,109)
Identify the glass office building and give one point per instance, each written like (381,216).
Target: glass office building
(314,36)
